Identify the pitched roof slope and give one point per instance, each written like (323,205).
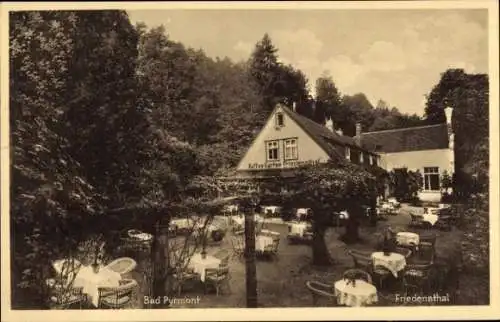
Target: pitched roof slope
(323,136)
(419,138)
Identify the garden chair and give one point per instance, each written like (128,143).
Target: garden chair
(322,291)
(63,296)
(238,245)
(183,276)
(381,273)
(222,254)
(122,265)
(426,253)
(117,297)
(417,277)
(416,221)
(217,277)
(355,273)
(272,250)
(362,260)
(403,251)
(66,270)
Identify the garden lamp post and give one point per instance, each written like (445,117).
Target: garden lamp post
(250,268)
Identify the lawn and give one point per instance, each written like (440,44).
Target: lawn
(281,282)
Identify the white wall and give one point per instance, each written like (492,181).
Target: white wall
(413,160)
(308,150)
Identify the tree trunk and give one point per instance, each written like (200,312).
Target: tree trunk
(159,266)
(251,270)
(351,228)
(321,256)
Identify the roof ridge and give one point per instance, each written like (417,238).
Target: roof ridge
(405,128)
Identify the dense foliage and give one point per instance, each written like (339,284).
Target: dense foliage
(405,184)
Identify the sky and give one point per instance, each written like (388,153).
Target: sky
(395,55)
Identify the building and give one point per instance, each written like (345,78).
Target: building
(428,149)
(289,140)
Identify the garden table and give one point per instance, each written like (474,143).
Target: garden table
(359,294)
(140,235)
(240,220)
(272,209)
(430,218)
(407,238)
(183,223)
(394,262)
(91,281)
(298,228)
(262,241)
(199,264)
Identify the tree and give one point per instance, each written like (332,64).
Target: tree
(331,188)
(264,70)
(468,95)
(328,99)
(52,202)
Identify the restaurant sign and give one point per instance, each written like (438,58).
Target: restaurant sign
(282,164)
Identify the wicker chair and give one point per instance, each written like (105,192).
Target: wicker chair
(362,260)
(238,245)
(403,251)
(117,297)
(183,276)
(66,265)
(62,296)
(417,277)
(322,291)
(356,273)
(222,254)
(217,277)
(122,265)
(381,273)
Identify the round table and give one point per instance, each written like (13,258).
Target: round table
(407,238)
(394,262)
(91,281)
(298,228)
(261,241)
(361,294)
(200,264)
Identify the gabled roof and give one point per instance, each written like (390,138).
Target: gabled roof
(419,138)
(322,135)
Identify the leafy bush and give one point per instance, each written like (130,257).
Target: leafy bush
(405,184)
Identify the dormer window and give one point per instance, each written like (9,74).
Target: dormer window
(347,153)
(280,120)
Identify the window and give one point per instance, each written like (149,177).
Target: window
(347,153)
(273,151)
(280,120)
(376,160)
(291,149)
(361,157)
(431,178)
(371,159)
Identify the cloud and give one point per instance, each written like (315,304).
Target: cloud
(243,49)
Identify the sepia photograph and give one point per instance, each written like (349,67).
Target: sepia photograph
(173,157)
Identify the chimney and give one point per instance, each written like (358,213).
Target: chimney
(329,124)
(358,129)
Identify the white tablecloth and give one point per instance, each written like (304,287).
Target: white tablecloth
(262,241)
(407,238)
(90,281)
(240,220)
(360,295)
(140,236)
(298,228)
(394,262)
(272,209)
(183,223)
(199,264)
(430,218)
